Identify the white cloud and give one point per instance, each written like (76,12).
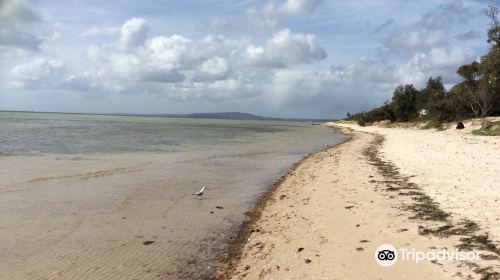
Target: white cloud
(436,62)
(431,30)
(215,68)
(442,58)
(286,8)
(137,60)
(283,49)
(167,50)
(133,33)
(353,87)
(445,15)
(266,17)
(410,41)
(39,72)
(21,26)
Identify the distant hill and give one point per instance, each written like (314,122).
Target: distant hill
(237,116)
(223,115)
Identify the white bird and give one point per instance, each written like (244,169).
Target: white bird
(200,193)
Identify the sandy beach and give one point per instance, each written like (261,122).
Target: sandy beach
(422,189)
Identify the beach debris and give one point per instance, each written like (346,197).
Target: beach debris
(460,125)
(219,207)
(199,193)
(349,207)
(364,241)
(148,242)
(211,212)
(300,249)
(489,257)
(308,261)
(360,249)
(247,267)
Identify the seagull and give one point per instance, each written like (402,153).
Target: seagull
(200,193)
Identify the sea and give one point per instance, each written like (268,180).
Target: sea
(110,197)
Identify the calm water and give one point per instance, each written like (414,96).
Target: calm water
(80,193)
(25,133)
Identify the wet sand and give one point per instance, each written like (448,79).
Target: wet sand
(327,216)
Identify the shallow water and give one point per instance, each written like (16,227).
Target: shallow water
(81,193)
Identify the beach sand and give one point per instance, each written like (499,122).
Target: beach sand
(410,188)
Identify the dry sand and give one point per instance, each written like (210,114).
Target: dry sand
(410,188)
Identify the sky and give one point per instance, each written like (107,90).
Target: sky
(282,58)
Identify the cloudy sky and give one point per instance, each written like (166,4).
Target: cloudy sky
(281,58)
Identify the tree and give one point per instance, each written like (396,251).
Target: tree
(431,98)
(403,103)
(490,65)
(494,30)
(478,100)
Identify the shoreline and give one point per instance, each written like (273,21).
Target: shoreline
(259,251)
(235,249)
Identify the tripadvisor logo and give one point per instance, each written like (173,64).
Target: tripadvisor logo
(387,255)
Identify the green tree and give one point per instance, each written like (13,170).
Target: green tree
(490,65)
(477,100)
(404,103)
(431,98)
(494,30)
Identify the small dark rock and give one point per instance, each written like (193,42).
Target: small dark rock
(300,249)
(460,125)
(211,212)
(307,261)
(148,242)
(219,207)
(359,249)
